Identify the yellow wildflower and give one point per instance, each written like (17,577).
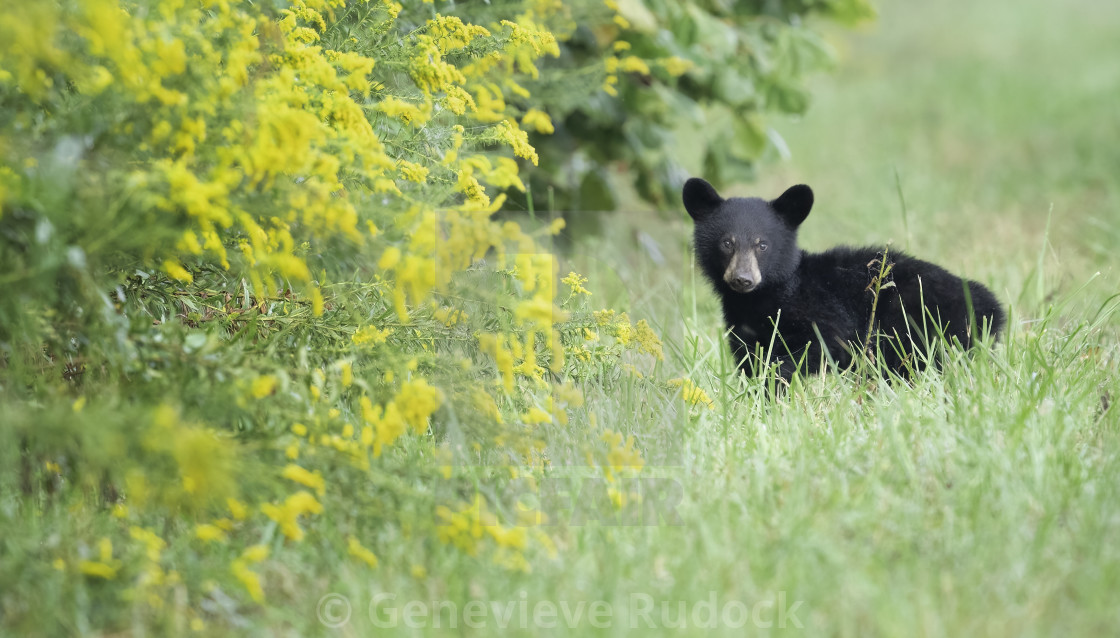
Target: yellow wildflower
(237,509)
(633,64)
(485,404)
(420,400)
(568,393)
(154,545)
(692,393)
(676,66)
(539,311)
(255,553)
(98,569)
(509,132)
(428,69)
(316,301)
(609,83)
(346,369)
(495,346)
(575,282)
(249,579)
(370,336)
(536,415)
(300,475)
(538,120)
(388,425)
(263,386)
(621,455)
(623,331)
(207,532)
(413,172)
(106,567)
(449,317)
(287,514)
(176,271)
(390,258)
(647,339)
(361,553)
(403,111)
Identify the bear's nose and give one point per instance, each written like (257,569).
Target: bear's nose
(742,284)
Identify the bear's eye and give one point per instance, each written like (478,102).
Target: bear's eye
(762,245)
(728,244)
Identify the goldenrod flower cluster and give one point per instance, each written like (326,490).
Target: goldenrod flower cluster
(324,204)
(691,393)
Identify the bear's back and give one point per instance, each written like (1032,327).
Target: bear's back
(907,303)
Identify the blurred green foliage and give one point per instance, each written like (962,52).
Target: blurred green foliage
(654,92)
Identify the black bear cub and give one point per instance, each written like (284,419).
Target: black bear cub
(844,300)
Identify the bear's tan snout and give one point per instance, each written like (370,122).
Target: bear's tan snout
(742,274)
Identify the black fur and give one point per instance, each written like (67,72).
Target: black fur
(825,298)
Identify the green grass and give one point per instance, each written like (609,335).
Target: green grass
(979,500)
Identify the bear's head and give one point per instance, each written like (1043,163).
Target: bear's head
(746,244)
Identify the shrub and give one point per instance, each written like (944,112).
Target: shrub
(253,294)
(649,93)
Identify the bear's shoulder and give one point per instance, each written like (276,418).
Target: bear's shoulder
(846,256)
(844,266)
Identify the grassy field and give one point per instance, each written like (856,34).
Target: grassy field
(980,501)
(983,499)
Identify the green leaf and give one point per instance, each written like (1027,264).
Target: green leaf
(748,138)
(596,193)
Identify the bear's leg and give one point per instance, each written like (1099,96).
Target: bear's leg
(807,360)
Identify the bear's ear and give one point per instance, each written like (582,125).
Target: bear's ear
(793,206)
(700,199)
